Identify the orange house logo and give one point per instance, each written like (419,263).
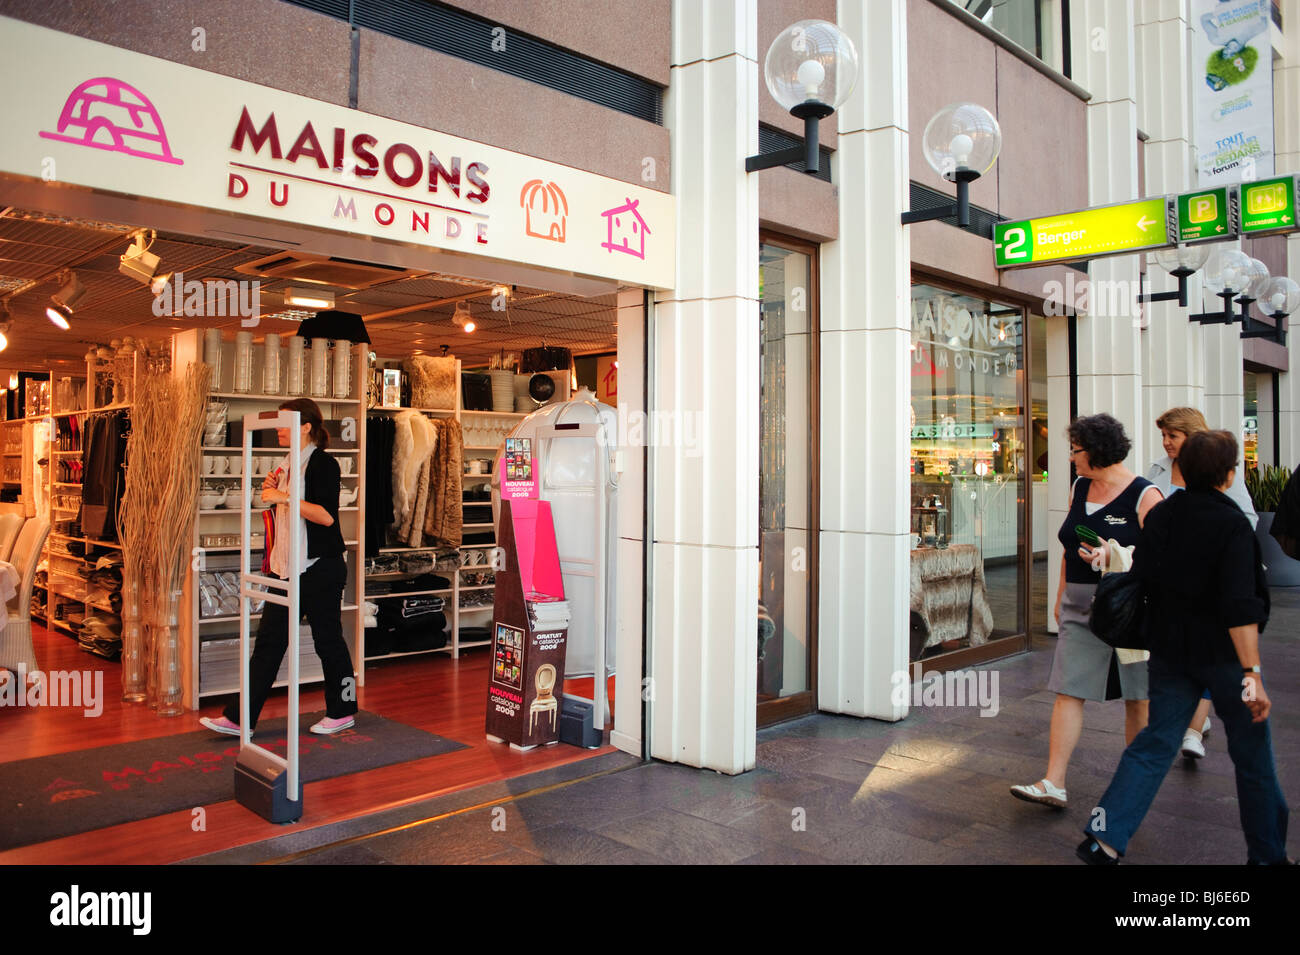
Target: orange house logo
(546,210)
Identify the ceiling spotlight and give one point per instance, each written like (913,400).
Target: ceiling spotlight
(308,298)
(159,283)
(499,291)
(463,317)
(70,291)
(138,262)
(59,315)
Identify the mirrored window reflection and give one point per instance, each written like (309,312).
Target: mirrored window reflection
(784,488)
(968,461)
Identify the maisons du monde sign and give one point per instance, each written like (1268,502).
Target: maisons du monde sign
(122,123)
(947,335)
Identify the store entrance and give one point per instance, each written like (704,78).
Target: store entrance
(470,357)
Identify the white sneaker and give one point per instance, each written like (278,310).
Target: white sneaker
(1193,748)
(1205,728)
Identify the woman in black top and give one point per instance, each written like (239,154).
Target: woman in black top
(1112,501)
(1206,605)
(320,584)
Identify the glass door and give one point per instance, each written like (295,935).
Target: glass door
(787,531)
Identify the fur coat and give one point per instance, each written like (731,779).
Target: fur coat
(414,441)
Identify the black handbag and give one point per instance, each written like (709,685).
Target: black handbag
(1119,610)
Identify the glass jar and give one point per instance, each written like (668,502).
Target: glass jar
(271,365)
(243,362)
(342,369)
(293,377)
(320,369)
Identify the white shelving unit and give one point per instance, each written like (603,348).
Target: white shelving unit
(198,630)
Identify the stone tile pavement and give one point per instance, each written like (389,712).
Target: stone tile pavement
(931,789)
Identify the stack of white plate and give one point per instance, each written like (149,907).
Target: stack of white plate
(521,386)
(524,404)
(503,390)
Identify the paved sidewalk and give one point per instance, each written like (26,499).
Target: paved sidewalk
(930,789)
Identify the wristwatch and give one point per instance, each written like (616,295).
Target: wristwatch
(1254,669)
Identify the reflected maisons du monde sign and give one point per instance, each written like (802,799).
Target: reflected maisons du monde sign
(948,335)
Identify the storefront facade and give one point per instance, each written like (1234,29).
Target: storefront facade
(866,400)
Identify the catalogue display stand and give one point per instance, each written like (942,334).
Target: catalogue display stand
(530,626)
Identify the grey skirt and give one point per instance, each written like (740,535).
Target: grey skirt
(1085,667)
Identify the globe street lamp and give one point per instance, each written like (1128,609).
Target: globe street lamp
(1182,263)
(1280,297)
(1227,274)
(961,143)
(810,70)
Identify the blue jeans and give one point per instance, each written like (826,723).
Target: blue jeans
(1175,689)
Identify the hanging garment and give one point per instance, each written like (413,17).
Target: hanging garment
(413,442)
(415,538)
(103,479)
(443,521)
(379,481)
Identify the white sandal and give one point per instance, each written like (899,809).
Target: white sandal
(1042,792)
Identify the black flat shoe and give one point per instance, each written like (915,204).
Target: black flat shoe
(1091,852)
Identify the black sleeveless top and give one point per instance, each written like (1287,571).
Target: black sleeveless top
(1118,520)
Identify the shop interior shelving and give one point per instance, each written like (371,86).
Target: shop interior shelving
(457,612)
(202,637)
(68,595)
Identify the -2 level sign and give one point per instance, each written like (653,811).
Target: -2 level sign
(1105,230)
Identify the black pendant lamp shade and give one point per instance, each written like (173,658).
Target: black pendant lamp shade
(335,325)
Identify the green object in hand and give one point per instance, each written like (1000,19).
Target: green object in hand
(1087,535)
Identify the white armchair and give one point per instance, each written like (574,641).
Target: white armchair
(16,638)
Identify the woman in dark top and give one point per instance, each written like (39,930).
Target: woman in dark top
(321,579)
(1113,501)
(1206,605)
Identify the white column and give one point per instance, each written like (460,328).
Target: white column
(1286,130)
(704,604)
(1108,362)
(865,385)
(626,734)
(1172,354)
(1109,343)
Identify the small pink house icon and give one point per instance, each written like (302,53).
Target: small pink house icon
(625,223)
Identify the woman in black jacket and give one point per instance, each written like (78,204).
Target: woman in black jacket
(1206,605)
(320,583)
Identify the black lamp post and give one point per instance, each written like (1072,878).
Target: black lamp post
(810,70)
(1227,275)
(961,143)
(1281,297)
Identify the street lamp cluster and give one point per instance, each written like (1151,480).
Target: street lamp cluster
(811,69)
(1236,278)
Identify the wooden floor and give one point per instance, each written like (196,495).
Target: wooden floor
(432,692)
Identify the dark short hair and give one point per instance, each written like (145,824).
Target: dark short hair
(1206,458)
(311,414)
(1102,437)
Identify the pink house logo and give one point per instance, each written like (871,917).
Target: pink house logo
(625,223)
(109,114)
(546,210)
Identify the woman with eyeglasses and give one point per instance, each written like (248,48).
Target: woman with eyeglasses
(1113,502)
(1176,426)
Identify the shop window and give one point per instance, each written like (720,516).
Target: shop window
(968,466)
(786,546)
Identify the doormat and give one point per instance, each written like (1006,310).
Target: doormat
(49,797)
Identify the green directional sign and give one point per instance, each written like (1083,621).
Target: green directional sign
(1204,215)
(1268,205)
(1105,230)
